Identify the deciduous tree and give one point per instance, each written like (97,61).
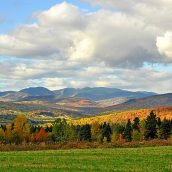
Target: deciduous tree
(22,128)
(41,136)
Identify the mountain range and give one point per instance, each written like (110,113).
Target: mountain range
(94,94)
(81,102)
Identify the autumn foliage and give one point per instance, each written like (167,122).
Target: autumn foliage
(101,129)
(41,136)
(122,117)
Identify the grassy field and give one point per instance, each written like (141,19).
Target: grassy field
(117,159)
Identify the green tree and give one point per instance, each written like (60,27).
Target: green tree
(136,135)
(60,130)
(165,129)
(118,132)
(73,135)
(136,124)
(128,131)
(85,133)
(159,122)
(106,132)
(151,126)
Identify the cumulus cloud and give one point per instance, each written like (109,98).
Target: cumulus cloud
(155,14)
(65,32)
(69,47)
(164,44)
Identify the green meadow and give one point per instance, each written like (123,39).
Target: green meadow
(145,159)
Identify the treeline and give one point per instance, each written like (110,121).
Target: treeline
(22,132)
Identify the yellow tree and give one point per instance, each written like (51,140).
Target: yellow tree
(8,133)
(22,128)
(96,131)
(2,135)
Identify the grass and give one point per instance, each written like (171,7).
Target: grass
(147,159)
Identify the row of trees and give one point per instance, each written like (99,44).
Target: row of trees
(21,131)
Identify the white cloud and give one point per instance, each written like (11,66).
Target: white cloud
(54,83)
(64,32)
(164,44)
(155,14)
(145,78)
(68,47)
(62,15)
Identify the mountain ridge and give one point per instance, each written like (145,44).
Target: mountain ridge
(94,93)
(161,100)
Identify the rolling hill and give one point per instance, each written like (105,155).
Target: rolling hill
(122,117)
(162,100)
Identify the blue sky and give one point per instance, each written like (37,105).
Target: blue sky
(15,12)
(86,43)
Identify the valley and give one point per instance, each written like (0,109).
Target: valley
(41,105)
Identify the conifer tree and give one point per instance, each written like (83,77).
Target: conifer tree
(151,126)
(165,129)
(128,131)
(136,124)
(85,133)
(159,122)
(106,132)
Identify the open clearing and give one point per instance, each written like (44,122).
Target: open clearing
(116,159)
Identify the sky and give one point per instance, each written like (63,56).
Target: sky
(97,43)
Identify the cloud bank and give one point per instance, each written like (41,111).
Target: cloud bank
(67,46)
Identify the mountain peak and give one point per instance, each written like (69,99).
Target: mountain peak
(37,91)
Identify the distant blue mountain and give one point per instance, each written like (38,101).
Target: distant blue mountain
(37,91)
(94,94)
(100,93)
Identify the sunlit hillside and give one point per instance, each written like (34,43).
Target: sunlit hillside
(120,117)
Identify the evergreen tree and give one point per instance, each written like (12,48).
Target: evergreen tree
(128,131)
(33,129)
(165,129)
(119,128)
(151,126)
(48,129)
(159,122)
(85,133)
(106,132)
(78,129)
(136,124)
